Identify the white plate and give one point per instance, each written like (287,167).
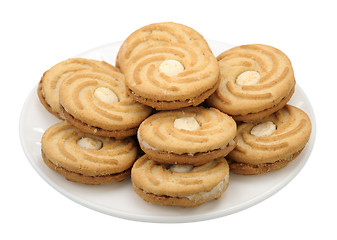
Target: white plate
(119,200)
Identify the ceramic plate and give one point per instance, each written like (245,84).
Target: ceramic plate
(119,200)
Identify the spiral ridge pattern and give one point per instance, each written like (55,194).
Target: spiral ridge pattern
(156,178)
(275,83)
(200,73)
(157,34)
(293,128)
(77,97)
(59,144)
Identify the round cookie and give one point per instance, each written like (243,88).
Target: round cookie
(172,76)
(157,34)
(256,81)
(48,89)
(179,185)
(97,102)
(270,143)
(85,158)
(193,135)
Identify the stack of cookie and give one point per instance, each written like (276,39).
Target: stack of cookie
(163,72)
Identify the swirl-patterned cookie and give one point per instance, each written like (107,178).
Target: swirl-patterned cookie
(48,89)
(85,158)
(256,81)
(172,76)
(157,34)
(97,102)
(271,143)
(179,185)
(193,135)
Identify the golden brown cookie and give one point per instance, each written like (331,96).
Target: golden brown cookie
(97,102)
(270,143)
(172,76)
(157,34)
(85,158)
(48,89)
(256,81)
(193,135)
(179,185)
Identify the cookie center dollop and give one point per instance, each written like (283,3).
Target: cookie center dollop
(248,78)
(89,143)
(181,168)
(186,123)
(171,67)
(263,129)
(105,95)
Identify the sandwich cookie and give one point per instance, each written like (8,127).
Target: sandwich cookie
(49,85)
(157,34)
(271,143)
(255,81)
(179,185)
(97,102)
(193,135)
(85,158)
(172,76)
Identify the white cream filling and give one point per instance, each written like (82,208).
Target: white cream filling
(263,129)
(215,192)
(105,95)
(186,123)
(181,168)
(248,78)
(171,67)
(89,143)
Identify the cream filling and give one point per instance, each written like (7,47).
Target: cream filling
(215,192)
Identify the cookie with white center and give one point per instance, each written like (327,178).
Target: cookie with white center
(175,185)
(271,143)
(193,135)
(49,85)
(255,81)
(85,158)
(157,34)
(172,76)
(97,102)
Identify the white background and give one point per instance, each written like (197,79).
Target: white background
(35,35)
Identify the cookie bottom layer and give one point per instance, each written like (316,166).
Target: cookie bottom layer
(44,102)
(195,159)
(118,134)
(171,105)
(88,180)
(172,201)
(259,115)
(250,169)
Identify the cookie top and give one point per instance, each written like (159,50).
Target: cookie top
(189,130)
(99,98)
(274,138)
(160,179)
(50,82)
(172,72)
(67,147)
(253,78)
(157,34)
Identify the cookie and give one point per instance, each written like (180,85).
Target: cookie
(271,143)
(193,135)
(85,158)
(172,76)
(96,101)
(256,81)
(48,89)
(179,185)
(157,34)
